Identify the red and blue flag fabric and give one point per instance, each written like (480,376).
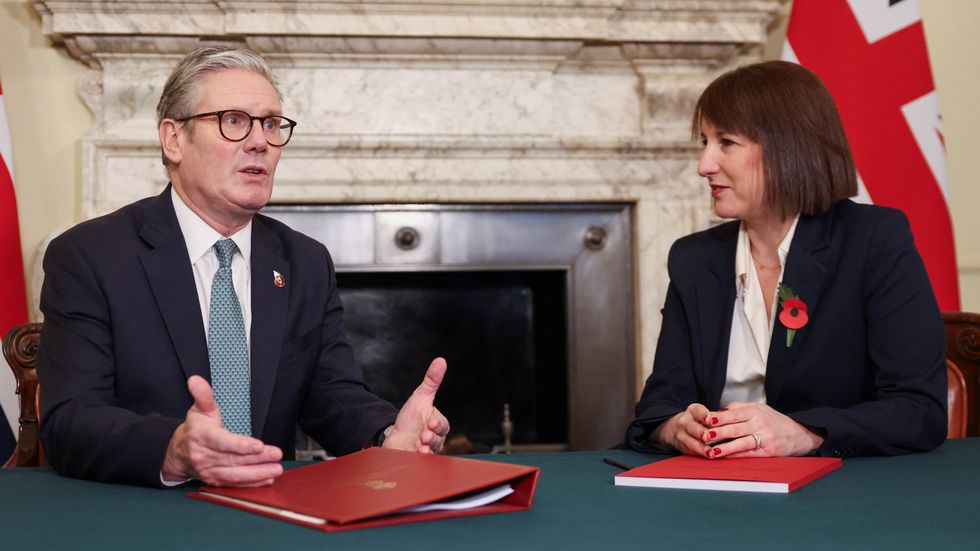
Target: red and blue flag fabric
(13,296)
(872,56)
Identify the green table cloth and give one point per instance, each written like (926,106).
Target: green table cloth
(918,501)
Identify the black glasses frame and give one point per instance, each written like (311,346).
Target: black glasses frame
(251,121)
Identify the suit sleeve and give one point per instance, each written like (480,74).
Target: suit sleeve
(83,431)
(340,412)
(671,386)
(906,354)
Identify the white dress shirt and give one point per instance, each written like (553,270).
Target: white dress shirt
(748,349)
(200,239)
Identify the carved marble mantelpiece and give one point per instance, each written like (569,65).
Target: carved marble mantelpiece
(438,101)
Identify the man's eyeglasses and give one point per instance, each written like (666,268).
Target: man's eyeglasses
(236,125)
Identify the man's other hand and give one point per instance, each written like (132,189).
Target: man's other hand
(201,448)
(420,426)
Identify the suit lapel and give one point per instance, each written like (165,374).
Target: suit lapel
(171,278)
(269,306)
(807,268)
(716,302)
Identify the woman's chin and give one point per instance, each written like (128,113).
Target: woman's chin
(722,212)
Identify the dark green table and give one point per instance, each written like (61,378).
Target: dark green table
(919,501)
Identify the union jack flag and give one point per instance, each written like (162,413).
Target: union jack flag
(872,56)
(13,298)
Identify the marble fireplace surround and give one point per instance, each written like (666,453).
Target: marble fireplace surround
(429,101)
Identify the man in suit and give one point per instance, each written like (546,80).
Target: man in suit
(148,306)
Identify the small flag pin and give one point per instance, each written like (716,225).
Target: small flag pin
(278,279)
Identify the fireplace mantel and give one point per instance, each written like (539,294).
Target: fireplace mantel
(430,101)
(736,22)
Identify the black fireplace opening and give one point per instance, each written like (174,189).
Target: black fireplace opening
(503,334)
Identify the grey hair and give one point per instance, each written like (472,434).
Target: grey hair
(182,92)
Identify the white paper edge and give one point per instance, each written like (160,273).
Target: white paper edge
(699,484)
(470,502)
(266,509)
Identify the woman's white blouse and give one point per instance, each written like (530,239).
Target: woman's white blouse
(748,349)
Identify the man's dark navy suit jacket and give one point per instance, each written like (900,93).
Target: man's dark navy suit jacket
(123,331)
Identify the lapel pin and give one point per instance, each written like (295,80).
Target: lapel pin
(278,279)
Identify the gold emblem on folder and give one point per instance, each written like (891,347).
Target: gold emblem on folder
(380,484)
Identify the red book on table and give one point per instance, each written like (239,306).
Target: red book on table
(757,474)
(373,487)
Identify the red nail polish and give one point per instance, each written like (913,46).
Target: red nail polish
(714,420)
(723,409)
(712,434)
(716,451)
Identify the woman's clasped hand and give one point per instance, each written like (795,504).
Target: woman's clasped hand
(740,430)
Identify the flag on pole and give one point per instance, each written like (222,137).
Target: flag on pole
(13,298)
(872,56)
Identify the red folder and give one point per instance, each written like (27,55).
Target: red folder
(367,488)
(757,474)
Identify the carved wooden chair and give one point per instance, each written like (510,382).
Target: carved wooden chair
(958,405)
(20,347)
(963,349)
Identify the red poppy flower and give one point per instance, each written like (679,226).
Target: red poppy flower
(794,314)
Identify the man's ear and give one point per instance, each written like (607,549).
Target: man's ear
(169,140)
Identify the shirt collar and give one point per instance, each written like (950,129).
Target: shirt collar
(786,242)
(200,237)
(743,252)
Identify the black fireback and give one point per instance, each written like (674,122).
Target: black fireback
(503,334)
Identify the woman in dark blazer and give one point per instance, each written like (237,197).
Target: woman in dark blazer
(807,325)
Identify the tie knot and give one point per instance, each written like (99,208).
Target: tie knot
(224,248)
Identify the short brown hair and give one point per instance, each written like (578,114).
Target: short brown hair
(787,110)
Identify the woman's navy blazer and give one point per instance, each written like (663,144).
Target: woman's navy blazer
(867,370)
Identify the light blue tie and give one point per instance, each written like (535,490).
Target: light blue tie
(227,346)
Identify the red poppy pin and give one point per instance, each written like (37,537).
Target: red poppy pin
(277,279)
(793,314)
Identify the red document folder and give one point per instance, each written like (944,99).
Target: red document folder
(757,474)
(366,488)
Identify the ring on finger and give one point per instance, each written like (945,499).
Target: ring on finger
(758,440)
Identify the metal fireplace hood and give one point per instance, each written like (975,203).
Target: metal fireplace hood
(591,243)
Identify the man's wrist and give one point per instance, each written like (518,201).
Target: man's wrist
(379,440)
(172,483)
